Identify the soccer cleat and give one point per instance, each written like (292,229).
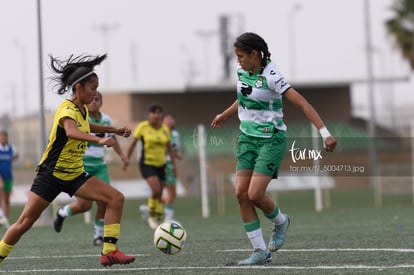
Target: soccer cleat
(2,259)
(98,241)
(143,208)
(116,257)
(58,222)
(153,222)
(277,239)
(4,222)
(258,257)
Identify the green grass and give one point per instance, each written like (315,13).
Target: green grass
(215,244)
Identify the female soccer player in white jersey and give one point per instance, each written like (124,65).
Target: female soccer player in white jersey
(95,165)
(261,142)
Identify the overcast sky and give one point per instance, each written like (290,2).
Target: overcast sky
(157,44)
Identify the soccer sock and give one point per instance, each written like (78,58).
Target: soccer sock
(276,216)
(169,212)
(99,228)
(159,209)
(65,211)
(5,250)
(152,204)
(111,235)
(255,234)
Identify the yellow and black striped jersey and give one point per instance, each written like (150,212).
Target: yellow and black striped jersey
(63,155)
(154,143)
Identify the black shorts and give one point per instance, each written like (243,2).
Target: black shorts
(49,187)
(149,171)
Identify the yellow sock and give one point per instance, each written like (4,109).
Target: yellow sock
(111,235)
(5,250)
(159,209)
(152,207)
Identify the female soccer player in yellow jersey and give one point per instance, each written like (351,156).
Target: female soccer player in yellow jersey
(61,167)
(155,137)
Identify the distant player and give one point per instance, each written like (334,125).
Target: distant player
(8,154)
(95,165)
(170,192)
(155,137)
(262,140)
(170,177)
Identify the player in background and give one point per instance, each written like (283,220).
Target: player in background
(8,155)
(61,167)
(261,143)
(155,137)
(170,178)
(170,193)
(95,165)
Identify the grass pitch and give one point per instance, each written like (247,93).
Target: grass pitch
(352,237)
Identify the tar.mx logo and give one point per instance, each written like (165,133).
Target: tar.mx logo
(304,154)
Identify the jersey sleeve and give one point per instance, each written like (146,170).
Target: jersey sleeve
(66,111)
(14,151)
(138,131)
(277,82)
(109,123)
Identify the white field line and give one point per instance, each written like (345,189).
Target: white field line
(186,268)
(402,250)
(267,267)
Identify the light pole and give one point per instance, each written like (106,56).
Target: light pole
(105,29)
(372,113)
(205,36)
(292,39)
(22,50)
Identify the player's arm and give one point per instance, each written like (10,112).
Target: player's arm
(15,155)
(97,128)
(221,118)
(72,132)
(170,151)
(120,153)
(299,101)
(130,149)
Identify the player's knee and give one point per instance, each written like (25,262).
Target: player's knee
(117,199)
(242,196)
(255,197)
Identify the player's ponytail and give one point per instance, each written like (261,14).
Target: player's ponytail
(73,70)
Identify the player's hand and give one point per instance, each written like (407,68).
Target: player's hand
(124,132)
(125,163)
(108,141)
(218,121)
(329,144)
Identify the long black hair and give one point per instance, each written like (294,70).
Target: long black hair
(249,41)
(74,70)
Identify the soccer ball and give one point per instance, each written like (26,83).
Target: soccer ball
(170,237)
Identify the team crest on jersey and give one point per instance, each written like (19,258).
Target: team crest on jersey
(259,83)
(78,124)
(246,89)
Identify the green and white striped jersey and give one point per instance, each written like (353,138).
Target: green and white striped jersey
(259,99)
(94,154)
(175,142)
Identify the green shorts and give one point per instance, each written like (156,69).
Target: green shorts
(263,155)
(99,171)
(170,178)
(7,186)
